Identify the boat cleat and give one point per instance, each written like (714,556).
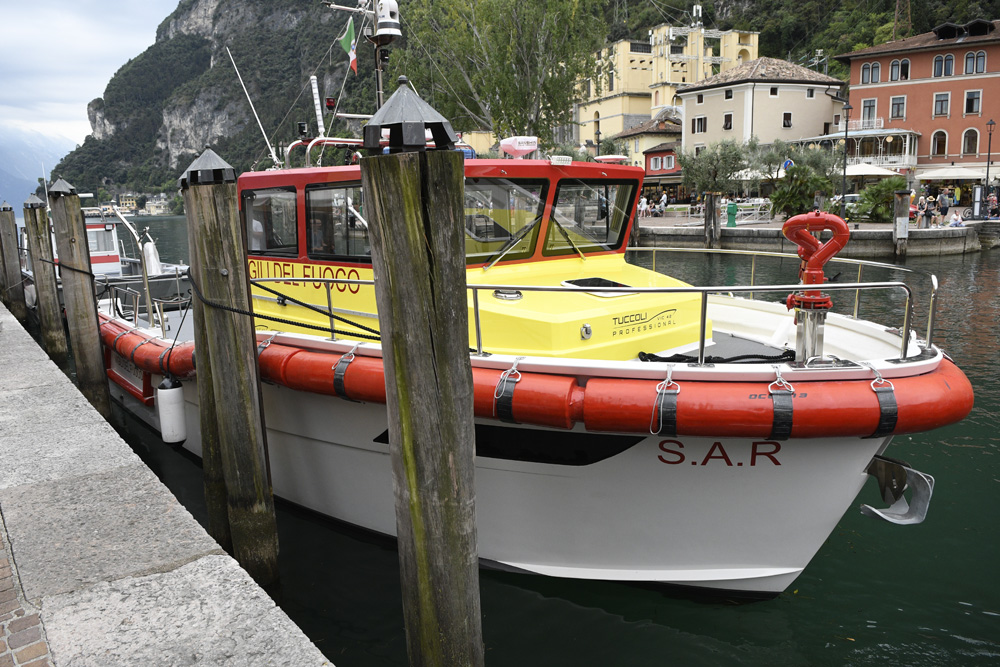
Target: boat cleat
(894,477)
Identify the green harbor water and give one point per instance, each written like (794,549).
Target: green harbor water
(875,594)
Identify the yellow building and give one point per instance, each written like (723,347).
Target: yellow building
(126,202)
(637,79)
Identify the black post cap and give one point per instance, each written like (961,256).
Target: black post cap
(207,169)
(33,202)
(6,207)
(407,117)
(61,188)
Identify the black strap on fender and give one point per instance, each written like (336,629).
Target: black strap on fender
(339,371)
(132,356)
(503,395)
(888,410)
(781,396)
(663,421)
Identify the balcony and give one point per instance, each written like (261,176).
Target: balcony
(860,124)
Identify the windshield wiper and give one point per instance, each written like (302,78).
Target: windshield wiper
(511,242)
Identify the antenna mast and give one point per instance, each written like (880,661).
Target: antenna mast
(274,156)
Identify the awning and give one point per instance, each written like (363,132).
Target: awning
(868,170)
(952,174)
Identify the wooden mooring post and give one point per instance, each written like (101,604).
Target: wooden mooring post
(11,286)
(78,295)
(218,251)
(901,222)
(43,273)
(713,226)
(415,206)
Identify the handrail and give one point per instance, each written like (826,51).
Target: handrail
(860,263)
(703,291)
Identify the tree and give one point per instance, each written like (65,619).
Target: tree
(796,192)
(716,168)
(878,201)
(509,66)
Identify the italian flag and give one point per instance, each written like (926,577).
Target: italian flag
(349,44)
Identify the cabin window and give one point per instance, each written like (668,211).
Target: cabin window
(589,216)
(335,225)
(502,218)
(100,240)
(270,221)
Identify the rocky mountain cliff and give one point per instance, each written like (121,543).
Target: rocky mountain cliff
(164,106)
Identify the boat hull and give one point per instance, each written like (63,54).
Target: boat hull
(733,514)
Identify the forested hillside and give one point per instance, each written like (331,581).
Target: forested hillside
(181,94)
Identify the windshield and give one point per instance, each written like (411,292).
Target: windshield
(501,218)
(589,216)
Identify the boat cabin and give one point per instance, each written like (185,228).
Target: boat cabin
(527,222)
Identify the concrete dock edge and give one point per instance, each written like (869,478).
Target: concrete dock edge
(100,564)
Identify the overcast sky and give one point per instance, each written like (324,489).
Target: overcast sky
(57,55)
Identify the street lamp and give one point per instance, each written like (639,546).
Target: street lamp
(843,184)
(597,138)
(989,152)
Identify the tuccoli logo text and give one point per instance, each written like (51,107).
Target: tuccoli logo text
(633,323)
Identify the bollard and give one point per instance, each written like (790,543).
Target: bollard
(43,272)
(218,251)
(415,207)
(11,285)
(78,295)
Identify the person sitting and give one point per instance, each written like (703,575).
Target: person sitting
(956,220)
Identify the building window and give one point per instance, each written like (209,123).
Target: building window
(938,65)
(980,62)
(939,144)
(786,119)
(868,113)
(949,65)
(611,81)
(774,91)
(700,99)
(656,98)
(655,163)
(836,119)
(866,73)
(635,146)
(729,94)
(904,70)
(699,125)
(876,72)
(970,63)
(970,142)
(698,149)
(668,161)
(941,104)
(972,99)
(897,107)
(894,70)
(810,93)
(727,121)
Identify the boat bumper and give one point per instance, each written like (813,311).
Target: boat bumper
(894,477)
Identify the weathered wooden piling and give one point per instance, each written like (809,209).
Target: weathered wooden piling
(713,226)
(78,295)
(218,252)
(43,272)
(213,476)
(415,207)
(11,287)
(901,222)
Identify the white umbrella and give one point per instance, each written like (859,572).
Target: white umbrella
(952,174)
(868,170)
